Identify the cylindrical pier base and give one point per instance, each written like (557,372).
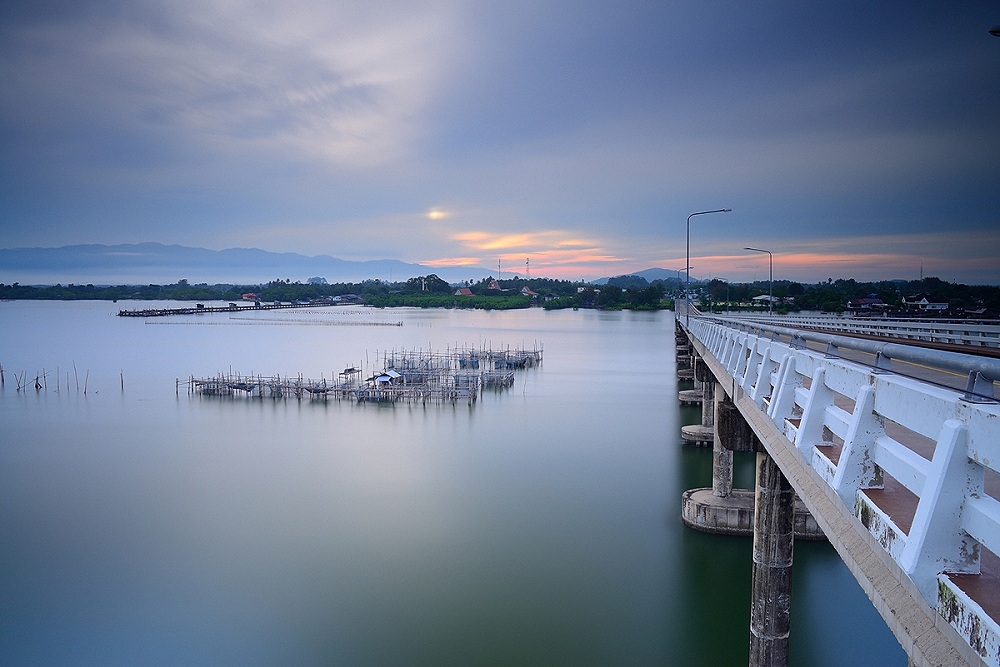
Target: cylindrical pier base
(702,510)
(689,397)
(771,594)
(698,435)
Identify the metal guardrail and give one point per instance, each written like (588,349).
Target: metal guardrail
(862,429)
(980,371)
(975,333)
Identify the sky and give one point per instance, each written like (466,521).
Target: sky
(851,139)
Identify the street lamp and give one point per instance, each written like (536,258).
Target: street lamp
(995,31)
(770,280)
(687,260)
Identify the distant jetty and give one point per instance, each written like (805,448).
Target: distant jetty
(231,308)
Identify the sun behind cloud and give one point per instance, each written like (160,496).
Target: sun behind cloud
(437,214)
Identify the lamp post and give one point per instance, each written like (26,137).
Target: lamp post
(687,261)
(770,280)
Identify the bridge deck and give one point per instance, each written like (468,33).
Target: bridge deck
(984,587)
(896,458)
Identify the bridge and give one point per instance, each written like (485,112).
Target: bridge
(893,449)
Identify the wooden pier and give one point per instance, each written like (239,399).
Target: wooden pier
(231,308)
(407,376)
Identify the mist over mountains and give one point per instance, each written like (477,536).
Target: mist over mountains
(156,263)
(161,264)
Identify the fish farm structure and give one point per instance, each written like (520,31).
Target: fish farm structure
(405,376)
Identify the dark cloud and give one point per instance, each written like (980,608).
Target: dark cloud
(301,124)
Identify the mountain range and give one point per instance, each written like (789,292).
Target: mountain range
(157,263)
(149,263)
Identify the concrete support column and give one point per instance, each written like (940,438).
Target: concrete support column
(771,594)
(708,402)
(722,458)
(700,370)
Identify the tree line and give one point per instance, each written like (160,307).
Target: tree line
(621,292)
(834,295)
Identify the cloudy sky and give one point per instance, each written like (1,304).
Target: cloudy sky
(852,139)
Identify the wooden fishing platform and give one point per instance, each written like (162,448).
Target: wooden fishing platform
(415,376)
(231,308)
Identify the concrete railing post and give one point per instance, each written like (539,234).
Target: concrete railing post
(773,539)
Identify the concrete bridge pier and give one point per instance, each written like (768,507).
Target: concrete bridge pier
(773,540)
(685,369)
(722,458)
(708,382)
(704,383)
(721,508)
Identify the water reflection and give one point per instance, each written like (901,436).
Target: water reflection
(539,526)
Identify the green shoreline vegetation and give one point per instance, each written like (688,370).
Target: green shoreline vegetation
(423,292)
(620,293)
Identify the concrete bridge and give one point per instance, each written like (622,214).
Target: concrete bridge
(899,470)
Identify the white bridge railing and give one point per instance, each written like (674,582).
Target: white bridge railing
(977,333)
(871,434)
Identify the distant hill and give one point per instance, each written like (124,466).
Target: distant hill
(650,275)
(148,263)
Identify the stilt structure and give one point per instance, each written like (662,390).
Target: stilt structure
(406,376)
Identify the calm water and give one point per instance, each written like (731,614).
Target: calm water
(539,526)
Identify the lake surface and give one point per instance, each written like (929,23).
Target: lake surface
(541,525)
